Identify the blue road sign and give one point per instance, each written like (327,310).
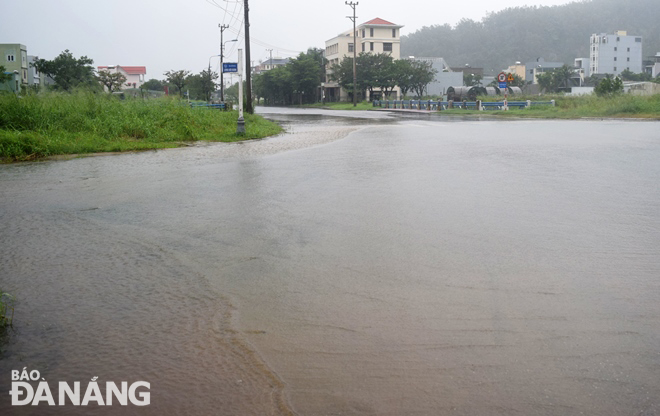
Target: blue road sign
(229,67)
(502,84)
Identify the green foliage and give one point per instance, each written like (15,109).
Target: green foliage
(68,72)
(557,33)
(628,75)
(112,81)
(609,87)
(55,123)
(471,80)
(295,83)
(177,78)
(4,77)
(201,85)
(555,80)
(381,71)
(153,85)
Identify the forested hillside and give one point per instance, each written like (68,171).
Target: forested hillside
(557,33)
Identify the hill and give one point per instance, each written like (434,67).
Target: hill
(556,33)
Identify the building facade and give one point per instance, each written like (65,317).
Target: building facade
(614,53)
(269,64)
(15,59)
(134,74)
(375,36)
(653,66)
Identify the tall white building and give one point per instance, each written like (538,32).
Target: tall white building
(375,36)
(614,53)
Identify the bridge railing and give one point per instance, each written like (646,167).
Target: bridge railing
(430,105)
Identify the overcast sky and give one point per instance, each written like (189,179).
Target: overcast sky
(184,34)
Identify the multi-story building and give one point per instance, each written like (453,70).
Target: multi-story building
(612,54)
(653,66)
(15,59)
(535,68)
(134,74)
(375,36)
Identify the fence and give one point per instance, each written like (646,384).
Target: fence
(430,105)
(220,106)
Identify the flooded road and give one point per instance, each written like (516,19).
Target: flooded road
(359,264)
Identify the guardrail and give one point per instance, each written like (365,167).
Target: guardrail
(430,105)
(220,106)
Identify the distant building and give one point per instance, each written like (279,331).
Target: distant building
(375,36)
(535,68)
(270,64)
(516,69)
(653,65)
(612,54)
(134,74)
(35,78)
(13,56)
(444,77)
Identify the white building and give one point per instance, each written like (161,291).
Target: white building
(375,36)
(653,67)
(612,54)
(134,74)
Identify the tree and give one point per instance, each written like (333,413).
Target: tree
(628,75)
(471,80)
(154,85)
(403,71)
(556,79)
(4,77)
(178,79)
(422,75)
(67,71)
(112,81)
(305,76)
(609,87)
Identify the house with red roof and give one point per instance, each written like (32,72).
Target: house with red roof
(375,36)
(134,74)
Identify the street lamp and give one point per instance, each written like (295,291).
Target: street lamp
(222,81)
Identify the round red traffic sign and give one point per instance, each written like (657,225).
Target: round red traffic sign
(501,77)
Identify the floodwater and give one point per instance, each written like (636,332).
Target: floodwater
(360,264)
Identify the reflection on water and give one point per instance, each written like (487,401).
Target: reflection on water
(417,267)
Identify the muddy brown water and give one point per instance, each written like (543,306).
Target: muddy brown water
(360,264)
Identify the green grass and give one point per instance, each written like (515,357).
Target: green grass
(567,107)
(43,125)
(6,310)
(363,105)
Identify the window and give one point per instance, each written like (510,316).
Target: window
(614,69)
(371,32)
(371,46)
(393,33)
(363,49)
(363,32)
(350,47)
(628,59)
(638,39)
(628,49)
(617,39)
(387,47)
(11,58)
(615,59)
(615,49)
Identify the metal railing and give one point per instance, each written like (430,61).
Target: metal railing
(430,105)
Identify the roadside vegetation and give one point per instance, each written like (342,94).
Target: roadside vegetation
(569,107)
(55,123)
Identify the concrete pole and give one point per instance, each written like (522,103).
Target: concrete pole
(240,125)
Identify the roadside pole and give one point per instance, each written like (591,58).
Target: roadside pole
(240,125)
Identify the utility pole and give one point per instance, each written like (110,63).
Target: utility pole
(222,84)
(353,18)
(271,58)
(248,69)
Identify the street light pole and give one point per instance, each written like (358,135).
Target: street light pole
(222,84)
(248,63)
(353,18)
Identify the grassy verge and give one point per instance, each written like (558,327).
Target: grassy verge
(567,107)
(363,105)
(53,124)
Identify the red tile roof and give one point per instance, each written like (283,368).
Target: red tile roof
(130,70)
(378,21)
